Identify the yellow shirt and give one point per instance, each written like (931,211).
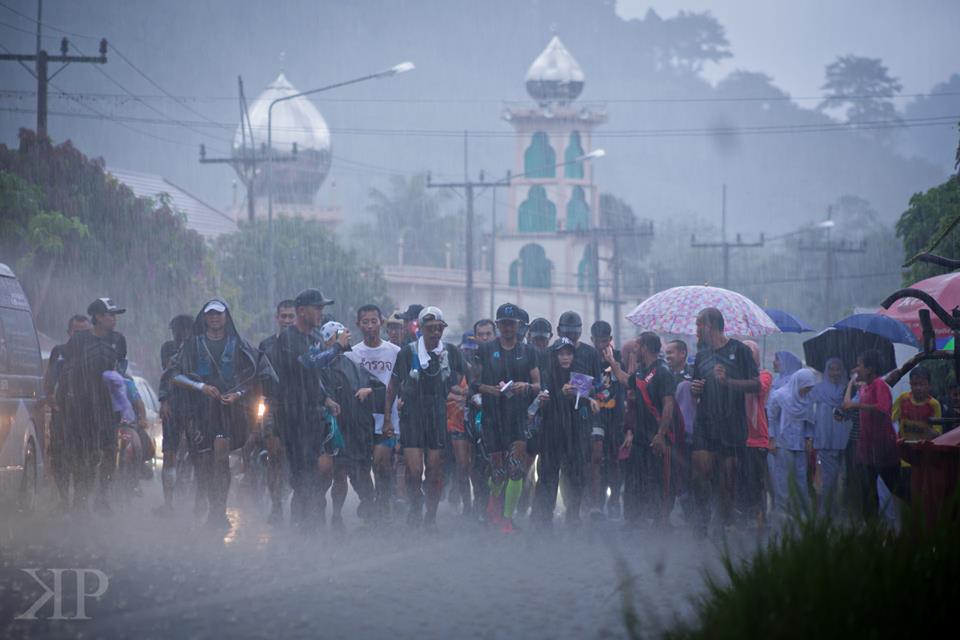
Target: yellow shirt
(914,418)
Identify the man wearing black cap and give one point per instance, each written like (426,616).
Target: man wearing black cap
(605,446)
(221,372)
(300,412)
(92,438)
(586,359)
(508,378)
(539,333)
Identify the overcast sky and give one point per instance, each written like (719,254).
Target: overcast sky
(793,41)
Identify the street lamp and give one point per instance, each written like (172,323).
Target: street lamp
(403,67)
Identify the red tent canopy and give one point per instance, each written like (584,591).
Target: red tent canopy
(945,289)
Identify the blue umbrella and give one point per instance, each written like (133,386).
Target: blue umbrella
(884,326)
(787,322)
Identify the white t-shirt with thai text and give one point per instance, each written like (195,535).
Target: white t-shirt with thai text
(379,361)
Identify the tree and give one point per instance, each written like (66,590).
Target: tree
(75,233)
(864,86)
(306,255)
(686,41)
(929,224)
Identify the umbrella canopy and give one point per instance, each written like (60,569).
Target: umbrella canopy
(883,326)
(787,322)
(675,311)
(847,344)
(945,289)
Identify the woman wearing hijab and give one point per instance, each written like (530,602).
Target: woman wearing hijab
(565,438)
(785,364)
(754,467)
(790,411)
(831,431)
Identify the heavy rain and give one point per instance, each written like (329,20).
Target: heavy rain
(505,319)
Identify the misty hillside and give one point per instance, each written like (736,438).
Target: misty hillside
(672,138)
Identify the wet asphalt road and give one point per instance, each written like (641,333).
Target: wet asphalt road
(176,578)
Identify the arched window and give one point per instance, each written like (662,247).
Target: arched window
(531,269)
(574,150)
(540,160)
(578,211)
(586,270)
(537,213)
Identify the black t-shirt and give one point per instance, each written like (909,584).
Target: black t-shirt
(300,390)
(502,365)
(611,395)
(432,382)
(660,385)
(586,359)
(721,414)
(167,350)
(86,357)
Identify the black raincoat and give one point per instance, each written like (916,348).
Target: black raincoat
(342,378)
(240,369)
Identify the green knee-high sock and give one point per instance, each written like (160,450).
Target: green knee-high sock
(512,497)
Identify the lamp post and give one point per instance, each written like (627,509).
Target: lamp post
(403,67)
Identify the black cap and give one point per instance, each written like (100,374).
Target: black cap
(569,320)
(311,298)
(562,343)
(509,311)
(540,327)
(601,329)
(103,305)
(413,312)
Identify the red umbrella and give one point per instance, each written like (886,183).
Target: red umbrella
(944,289)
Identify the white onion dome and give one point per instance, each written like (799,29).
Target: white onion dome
(555,77)
(295,122)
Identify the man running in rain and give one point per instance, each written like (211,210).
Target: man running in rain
(647,491)
(221,371)
(302,411)
(174,418)
(92,423)
(508,378)
(724,370)
(605,473)
(423,376)
(353,389)
(394,326)
(286,315)
(378,357)
(59,455)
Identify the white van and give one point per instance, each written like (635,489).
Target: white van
(21,395)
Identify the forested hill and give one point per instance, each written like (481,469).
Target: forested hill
(666,158)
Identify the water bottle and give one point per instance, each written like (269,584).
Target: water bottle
(534,407)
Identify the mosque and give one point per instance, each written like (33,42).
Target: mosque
(547,251)
(546,254)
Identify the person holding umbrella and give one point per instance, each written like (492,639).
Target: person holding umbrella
(724,370)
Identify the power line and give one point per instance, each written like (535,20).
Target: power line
(906,123)
(440,100)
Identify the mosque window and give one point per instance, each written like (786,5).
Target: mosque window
(537,213)
(574,150)
(532,269)
(540,160)
(586,270)
(578,212)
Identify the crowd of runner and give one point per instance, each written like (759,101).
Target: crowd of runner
(506,421)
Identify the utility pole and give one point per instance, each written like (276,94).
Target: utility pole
(42,59)
(831,248)
(723,244)
(642,230)
(245,163)
(468,186)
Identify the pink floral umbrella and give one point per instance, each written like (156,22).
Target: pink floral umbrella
(675,311)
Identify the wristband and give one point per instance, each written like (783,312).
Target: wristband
(187,382)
